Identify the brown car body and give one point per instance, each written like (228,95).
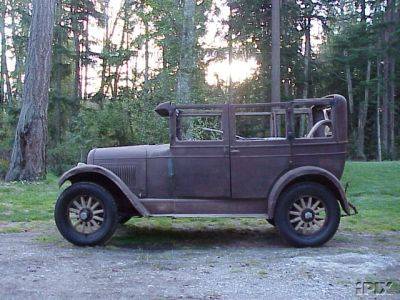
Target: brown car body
(228,174)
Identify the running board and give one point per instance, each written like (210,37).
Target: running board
(260,216)
(206,207)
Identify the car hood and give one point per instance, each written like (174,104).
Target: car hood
(102,155)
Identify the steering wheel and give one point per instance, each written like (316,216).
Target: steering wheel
(317,126)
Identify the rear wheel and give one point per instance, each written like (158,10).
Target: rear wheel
(86,214)
(307,215)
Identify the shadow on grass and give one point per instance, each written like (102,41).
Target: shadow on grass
(178,234)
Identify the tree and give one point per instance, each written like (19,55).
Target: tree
(5,76)
(390,42)
(28,159)
(363,108)
(276,53)
(307,56)
(187,59)
(159,50)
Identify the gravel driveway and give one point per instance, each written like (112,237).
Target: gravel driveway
(189,263)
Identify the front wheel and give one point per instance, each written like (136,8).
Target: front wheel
(307,214)
(86,214)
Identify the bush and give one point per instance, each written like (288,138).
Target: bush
(3,167)
(117,123)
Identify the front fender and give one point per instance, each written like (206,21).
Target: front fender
(91,171)
(307,173)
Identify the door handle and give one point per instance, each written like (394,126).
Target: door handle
(235,151)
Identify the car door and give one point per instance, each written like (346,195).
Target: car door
(200,151)
(259,149)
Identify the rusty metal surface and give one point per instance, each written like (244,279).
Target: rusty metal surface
(74,175)
(329,180)
(205,206)
(230,175)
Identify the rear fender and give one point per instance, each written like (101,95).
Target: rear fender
(108,180)
(307,174)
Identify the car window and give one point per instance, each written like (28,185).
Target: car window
(199,127)
(302,124)
(316,123)
(253,126)
(260,125)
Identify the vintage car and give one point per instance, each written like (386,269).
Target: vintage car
(278,161)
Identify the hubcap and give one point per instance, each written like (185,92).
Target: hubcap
(307,215)
(86,214)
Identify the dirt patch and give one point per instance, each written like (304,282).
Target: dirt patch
(211,262)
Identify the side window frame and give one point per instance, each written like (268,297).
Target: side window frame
(333,118)
(279,140)
(221,109)
(321,138)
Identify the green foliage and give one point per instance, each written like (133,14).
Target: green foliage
(3,167)
(200,128)
(121,112)
(6,138)
(119,122)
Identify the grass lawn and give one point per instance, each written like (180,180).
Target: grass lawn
(374,189)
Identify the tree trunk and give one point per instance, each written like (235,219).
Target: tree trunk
(3,57)
(265,54)
(4,67)
(58,93)
(57,65)
(387,87)
(378,110)
(18,60)
(187,53)
(127,43)
(28,159)
(307,57)
(77,58)
(307,60)
(87,54)
(395,16)
(146,56)
(286,88)
(362,115)
(349,83)
(230,55)
(106,46)
(363,107)
(363,15)
(164,74)
(385,106)
(117,72)
(276,53)
(392,109)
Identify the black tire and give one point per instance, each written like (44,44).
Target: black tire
(287,228)
(271,222)
(109,215)
(123,219)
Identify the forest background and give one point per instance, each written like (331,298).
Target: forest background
(114,61)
